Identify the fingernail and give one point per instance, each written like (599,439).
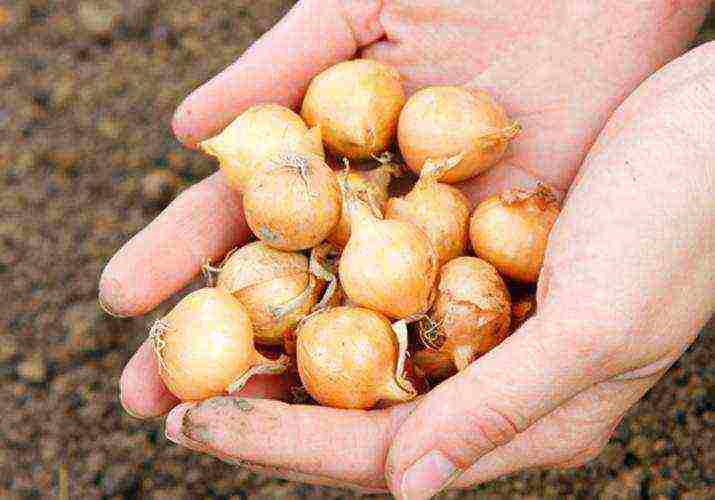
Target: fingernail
(428,476)
(175,422)
(105,307)
(110,292)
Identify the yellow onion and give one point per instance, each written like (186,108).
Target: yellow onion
(294,203)
(433,365)
(255,136)
(357,104)
(204,346)
(276,288)
(350,357)
(370,186)
(471,313)
(522,309)
(389,266)
(511,231)
(440,210)
(447,122)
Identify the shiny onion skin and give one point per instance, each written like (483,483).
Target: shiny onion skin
(511,231)
(204,346)
(433,365)
(389,266)
(371,186)
(471,313)
(450,122)
(357,104)
(349,357)
(294,203)
(276,288)
(255,136)
(440,210)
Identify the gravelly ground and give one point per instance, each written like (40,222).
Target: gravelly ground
(86,93)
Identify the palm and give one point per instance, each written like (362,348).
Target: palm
(560,68)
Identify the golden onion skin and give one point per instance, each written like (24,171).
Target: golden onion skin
(357,105)
(347,357)
(511,231)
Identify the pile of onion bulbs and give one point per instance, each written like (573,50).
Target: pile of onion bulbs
(372,276)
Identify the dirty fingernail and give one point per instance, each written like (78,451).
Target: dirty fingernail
(175,421)
(428,476)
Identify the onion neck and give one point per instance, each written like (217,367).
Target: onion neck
(397,391)
(260,366)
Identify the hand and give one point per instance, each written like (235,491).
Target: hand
(561,73)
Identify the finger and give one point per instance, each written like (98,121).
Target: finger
(315,34)
(203,222)
(339,445)
(571,435)
(144,395)
(141,390)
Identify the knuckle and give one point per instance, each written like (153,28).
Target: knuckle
(489,427)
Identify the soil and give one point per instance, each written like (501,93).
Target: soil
(87,157)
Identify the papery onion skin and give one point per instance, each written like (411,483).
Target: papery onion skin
(255,136)
(434,365)
(472,309)
(389,266)
(357,104)
(347,357)
(203,344)
(293,204)
(275,287)
(522,309)
(440,210)
(511,231)
(444,122)
(370,186)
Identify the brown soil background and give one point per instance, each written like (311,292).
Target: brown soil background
(86,94)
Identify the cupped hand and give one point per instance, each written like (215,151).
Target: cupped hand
(626,282)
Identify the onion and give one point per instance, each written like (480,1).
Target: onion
(432,364)
(357,103)
(370,186)
(294,203)
(440,210)
(389,266)
(522,309)
(441,123)
(204,346)
(471,313)
(511,231)
(350,357)
(276,288)
(255,136)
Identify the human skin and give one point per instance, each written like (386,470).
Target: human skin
(627,279)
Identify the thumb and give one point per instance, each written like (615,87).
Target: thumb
(315,34)
(487,405)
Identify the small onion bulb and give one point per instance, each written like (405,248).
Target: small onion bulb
(446,122)
(294,203)
(255,136)
(204,346)
(440,210)
(432,364)
(276,288)
(511,231)
(389,266)
(357,104)
(350,357)
(370,186)
(471,313)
